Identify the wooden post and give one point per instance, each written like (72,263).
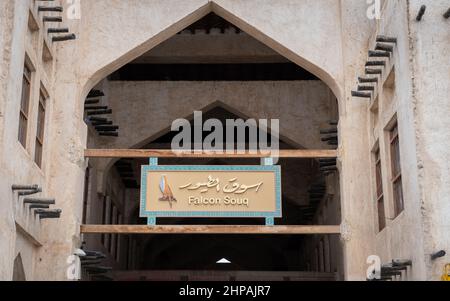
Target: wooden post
(148,153)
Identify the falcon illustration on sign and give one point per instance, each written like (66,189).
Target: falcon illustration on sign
(167,195)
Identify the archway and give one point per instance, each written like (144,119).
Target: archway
(123,169)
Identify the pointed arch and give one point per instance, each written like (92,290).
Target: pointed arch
(153,40)
(19,271)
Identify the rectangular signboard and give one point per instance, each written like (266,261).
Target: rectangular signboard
(210,191)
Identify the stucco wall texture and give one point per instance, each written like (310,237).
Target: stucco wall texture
(326,37)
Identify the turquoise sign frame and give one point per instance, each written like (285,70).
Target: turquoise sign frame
(267,166)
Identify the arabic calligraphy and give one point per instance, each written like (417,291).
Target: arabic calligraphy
(231,187)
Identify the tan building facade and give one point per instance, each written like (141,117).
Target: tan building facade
(297,61)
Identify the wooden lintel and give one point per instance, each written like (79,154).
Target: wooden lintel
(147,153)
(185,229)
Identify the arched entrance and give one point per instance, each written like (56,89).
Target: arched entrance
(319,196)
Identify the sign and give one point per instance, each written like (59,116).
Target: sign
(210,191)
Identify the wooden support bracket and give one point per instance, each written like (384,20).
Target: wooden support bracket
(147,153)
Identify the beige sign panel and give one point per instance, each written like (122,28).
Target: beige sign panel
(211,191)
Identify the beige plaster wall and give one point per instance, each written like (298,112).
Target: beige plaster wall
(400,239)
(430,54)
(6,220)
(16,162)
(356,29)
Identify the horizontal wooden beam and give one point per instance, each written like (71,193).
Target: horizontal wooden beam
(185,229)
(149,153)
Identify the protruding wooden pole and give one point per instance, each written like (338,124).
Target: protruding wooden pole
(185,229)
(157,153)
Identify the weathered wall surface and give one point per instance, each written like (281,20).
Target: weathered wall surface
(356,29)
(400,239)
(430,56)
(6,220)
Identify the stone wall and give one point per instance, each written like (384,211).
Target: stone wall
(430,57)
